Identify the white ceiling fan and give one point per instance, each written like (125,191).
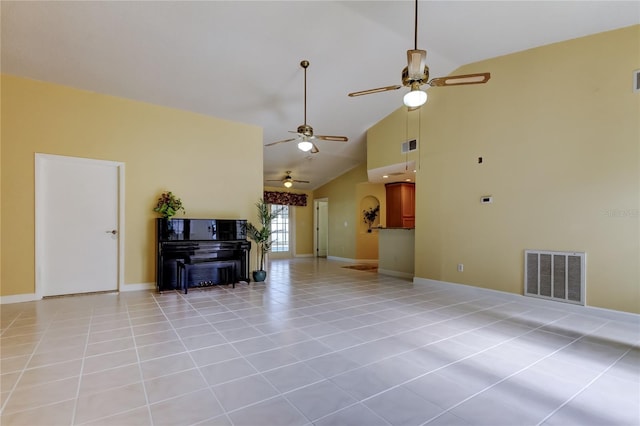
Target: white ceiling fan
(416,74)
(305,132)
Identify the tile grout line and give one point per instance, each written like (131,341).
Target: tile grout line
(581,390)
(15,385)
(444,339)
(84,357)
(142,381)
(259,373)
(188,351)
(514,373)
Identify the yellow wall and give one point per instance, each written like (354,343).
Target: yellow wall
(344,214)
(304,227)
(558,130)
(163,149)
(367,242)
(384,139)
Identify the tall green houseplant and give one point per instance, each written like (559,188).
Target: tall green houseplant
(262,235)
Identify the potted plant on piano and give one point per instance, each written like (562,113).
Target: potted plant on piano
(168,205)
(262,236)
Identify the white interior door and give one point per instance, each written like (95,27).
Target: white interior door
(322,228)
(77,225)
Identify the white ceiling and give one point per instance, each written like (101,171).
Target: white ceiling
(239,60)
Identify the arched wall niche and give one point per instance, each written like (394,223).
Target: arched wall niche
(366,204)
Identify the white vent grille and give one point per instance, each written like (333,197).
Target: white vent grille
(555,275)
(409,146)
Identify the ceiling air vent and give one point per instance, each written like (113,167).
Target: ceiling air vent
(409,146)
(636,81)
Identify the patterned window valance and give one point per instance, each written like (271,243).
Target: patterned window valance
(285,198)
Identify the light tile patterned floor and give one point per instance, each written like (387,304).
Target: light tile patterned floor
(318,344)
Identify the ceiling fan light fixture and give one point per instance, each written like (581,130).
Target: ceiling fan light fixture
(288,184)
(415,98)
(305,146)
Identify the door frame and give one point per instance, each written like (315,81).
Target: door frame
(292,236)
(40,159)
(316,225)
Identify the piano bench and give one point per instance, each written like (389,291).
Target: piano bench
(226,271)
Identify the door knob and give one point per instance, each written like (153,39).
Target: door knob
(112,232)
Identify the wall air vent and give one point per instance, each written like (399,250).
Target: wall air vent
(409,146)
(636,81)
(555,275)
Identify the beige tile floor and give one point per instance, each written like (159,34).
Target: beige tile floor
(318,344)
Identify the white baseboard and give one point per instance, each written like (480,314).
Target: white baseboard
(341,259)
(609,314)
(31,297)
(304,255)
(138,287)
(349,260)
(395,273)
(19,298)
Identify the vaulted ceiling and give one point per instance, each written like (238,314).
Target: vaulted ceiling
(239,60)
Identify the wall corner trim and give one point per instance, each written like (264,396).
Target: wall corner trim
(137,287)
(398,274)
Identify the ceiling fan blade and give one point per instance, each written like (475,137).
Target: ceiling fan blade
(417,60)
(282,141)
(333,138)
(378,90)
(315,149)
(456,80)
(300,181)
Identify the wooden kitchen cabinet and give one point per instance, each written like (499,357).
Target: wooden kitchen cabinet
(401,205)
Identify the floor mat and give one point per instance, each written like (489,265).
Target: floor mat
(371,267)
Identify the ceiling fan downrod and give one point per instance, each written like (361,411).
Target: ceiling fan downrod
(305,64)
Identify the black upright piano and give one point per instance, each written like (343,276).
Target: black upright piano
(200,240)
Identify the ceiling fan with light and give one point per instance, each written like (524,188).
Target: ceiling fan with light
(416,74)
(305,132)
(288,181)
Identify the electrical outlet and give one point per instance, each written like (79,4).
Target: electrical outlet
(460,267)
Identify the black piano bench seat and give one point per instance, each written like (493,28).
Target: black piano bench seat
(226,272)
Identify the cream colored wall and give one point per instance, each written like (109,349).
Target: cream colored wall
(397,252)
(304,227)
(385,138)
(557,127)
(303,221)
(163,149)
(344,214)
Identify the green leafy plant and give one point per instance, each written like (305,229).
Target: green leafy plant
(168,205)
(262,235)
(370,215)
